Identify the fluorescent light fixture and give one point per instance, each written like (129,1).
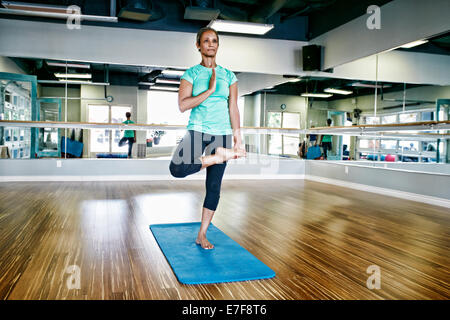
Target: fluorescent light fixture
(316,95)
(165,88)
(167,81)
(144,83)
(367,85)
(61,81)
(74,75)
(69,65)
(74,81)
(414,44)
(337,91)
(34,7)
(46,11)
(240,27)
(173,72)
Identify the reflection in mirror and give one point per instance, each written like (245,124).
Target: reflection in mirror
(305,105)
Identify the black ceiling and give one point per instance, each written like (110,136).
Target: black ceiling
(319,84)
(293,19)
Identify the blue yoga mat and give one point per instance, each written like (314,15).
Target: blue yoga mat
(192,264)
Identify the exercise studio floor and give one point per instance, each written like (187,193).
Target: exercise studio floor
(319,239)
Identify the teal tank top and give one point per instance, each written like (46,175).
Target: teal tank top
(212,115)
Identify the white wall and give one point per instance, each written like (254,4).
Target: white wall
(402,21)
(366,103)
(144,47)
(7,65)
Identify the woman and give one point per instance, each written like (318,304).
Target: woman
(325,142)
(210,92)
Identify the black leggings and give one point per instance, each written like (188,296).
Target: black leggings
(130,144)
(186,161)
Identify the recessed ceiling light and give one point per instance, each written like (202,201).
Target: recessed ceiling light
(367,85)
(166,88)
(69,65)
(74,81)
(173,72)
(337,91)
(167,81)
(74,75)
(316,95)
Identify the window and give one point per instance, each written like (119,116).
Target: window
(281,143)
(389,119)
(274,119)
(409,146)
(389,144)
(408,117)
(163,109)
(291,141)
(275,141)
(372,120)
(106,140)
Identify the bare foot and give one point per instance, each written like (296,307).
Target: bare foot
(227,154)
(204,243)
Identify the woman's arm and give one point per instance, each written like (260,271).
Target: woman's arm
(234,116)
(185,99)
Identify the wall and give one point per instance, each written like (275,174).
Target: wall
(144,47)
(366,103)
(73,106)
(420,186)
(7,65)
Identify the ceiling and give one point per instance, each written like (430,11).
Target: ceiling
(319,84)
(293,20)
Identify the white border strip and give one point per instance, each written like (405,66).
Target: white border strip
(150,177)
(384,191)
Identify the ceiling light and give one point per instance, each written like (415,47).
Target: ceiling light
(61,81)
(167,81)
(34,7)
(173,72)
(295,80)
(316,95)
(74,75)
(367,85)
(166,88)
(47,11)
(337,91)
(69,65)
(143,83)
(74,81)
(414,44)
(240,27)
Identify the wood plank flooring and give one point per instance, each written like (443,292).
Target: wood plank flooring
(318,238)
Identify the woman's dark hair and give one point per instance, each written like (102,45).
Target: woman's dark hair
(128,114)
(203,30)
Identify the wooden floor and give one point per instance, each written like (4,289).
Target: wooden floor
(318,238)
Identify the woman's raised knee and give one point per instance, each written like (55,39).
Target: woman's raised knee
(177,170)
